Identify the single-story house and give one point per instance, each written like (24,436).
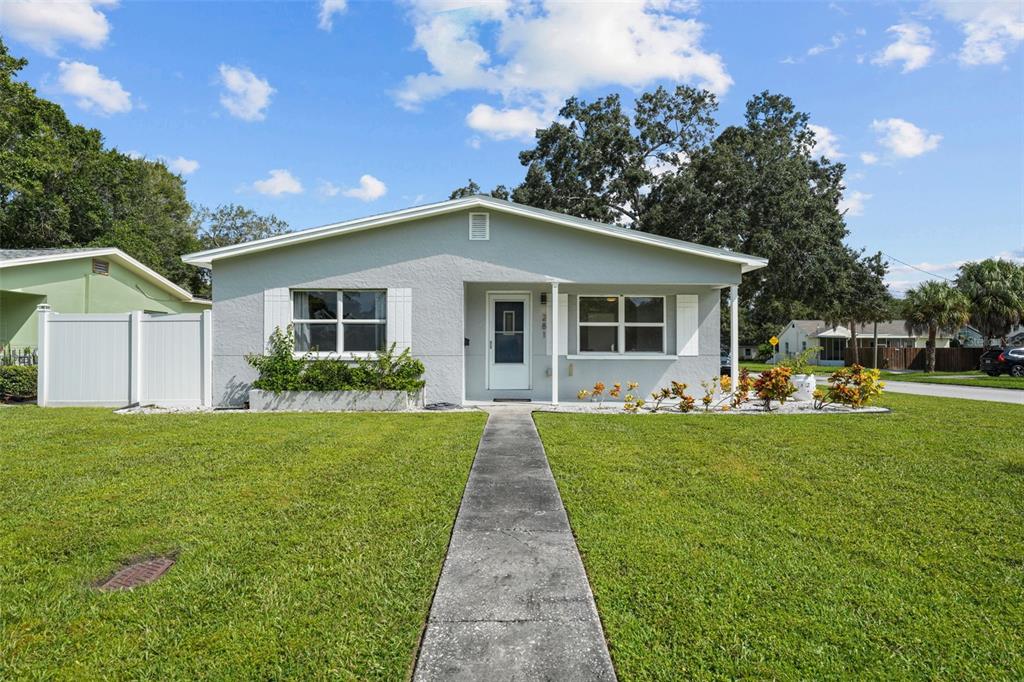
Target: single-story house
(799,335)
(499,300)
(85,280)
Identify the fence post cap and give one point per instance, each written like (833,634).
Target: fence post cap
(43,308)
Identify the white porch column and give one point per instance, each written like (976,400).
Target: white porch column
(734,335)
(553,331)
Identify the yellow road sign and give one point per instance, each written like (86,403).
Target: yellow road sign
(774,340)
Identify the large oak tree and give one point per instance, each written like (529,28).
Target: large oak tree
(665,168)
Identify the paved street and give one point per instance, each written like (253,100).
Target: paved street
(1000,395)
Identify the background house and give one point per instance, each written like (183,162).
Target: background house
(799,335)
(104,280)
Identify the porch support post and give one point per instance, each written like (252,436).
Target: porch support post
(734,335)
(553,331)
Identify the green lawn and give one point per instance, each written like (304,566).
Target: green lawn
(960,379)
(762,366)
(309,545)
(803,547)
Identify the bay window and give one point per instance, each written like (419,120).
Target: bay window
(621,324)
(333,321)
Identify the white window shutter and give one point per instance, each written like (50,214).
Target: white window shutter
(687,324)
(563,324)
(277,311)
(399,325)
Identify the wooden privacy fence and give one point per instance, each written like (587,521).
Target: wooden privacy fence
(121,359)
(946,359)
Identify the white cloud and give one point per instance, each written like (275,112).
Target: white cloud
(538,54)
(370,189)
(94,91)
(913,47)
(279,182)
(245,94)
(992,29)
(826,143)
(852,203)
(46,24)
(328,8)
(868,158)
(903,138)
(181,165)
(836,40)
(505,124)
(329,189)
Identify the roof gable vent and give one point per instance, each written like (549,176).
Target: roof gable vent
(479,226)
(100,267)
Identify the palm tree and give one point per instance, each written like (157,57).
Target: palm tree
(935,306)
(995,289)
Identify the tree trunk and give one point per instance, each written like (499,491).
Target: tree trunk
(853,341)
(932,331)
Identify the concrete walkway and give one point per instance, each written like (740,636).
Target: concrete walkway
(999,395)
(513,601)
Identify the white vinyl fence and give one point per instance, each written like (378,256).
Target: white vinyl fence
(124,359)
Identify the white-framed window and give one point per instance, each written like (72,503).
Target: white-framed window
(339,321)
(620,324)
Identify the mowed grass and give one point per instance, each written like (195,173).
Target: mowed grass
(967,379)
(308,545)
(887,546)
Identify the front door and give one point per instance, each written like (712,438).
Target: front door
(508,341)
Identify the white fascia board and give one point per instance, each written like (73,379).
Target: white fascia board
(114,254)
(206,258)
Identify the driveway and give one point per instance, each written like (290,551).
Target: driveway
(999,395)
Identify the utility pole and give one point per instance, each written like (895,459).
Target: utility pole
(874,350)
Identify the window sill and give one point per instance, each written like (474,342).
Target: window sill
(347,357)
(620,356)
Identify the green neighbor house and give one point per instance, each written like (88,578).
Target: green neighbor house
(86,280)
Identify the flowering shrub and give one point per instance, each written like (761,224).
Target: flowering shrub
(743,388)
(855,386)
(710,388)
(686,402)
(774,384)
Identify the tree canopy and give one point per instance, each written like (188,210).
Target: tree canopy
(995,289)
(61,186)
(757,188)
(933,307)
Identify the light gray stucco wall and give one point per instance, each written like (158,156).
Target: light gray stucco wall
(580,372)
(434,258)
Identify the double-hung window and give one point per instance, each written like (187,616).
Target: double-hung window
(621,324)
(332,321)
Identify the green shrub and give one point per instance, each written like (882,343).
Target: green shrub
(801,364)
(18,382)
(280,370)
(326,375)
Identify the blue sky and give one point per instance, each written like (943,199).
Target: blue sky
(321,111)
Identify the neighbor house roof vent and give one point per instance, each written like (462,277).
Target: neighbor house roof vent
(100,267)
(479,226)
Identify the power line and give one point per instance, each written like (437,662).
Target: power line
(909,265)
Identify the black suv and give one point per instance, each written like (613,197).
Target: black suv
(1003,361)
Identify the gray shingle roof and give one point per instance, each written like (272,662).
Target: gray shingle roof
(818,327)
(17,254)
